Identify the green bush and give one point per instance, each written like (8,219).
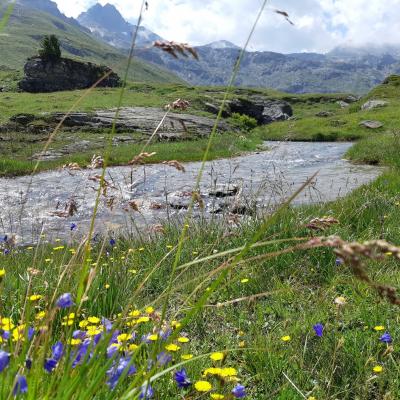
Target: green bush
(50,48)
(244,121)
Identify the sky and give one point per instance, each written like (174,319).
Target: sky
(320,25)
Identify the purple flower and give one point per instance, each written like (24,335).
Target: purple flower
(386,338)
(78,334)
(164,358)
(21,386)
(50,364)
(31,332)
(4,360)
(182,379)
(28,363)
(5,335)
(65,301)
(146,392)
(338,262)
(239,391)
(318,329)
(115,372)
(107,324)
(73,226)
(57,351)
(113,242)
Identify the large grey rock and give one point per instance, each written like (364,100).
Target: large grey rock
(371,124)
(325,114)
(144,120)
(343,104)
(371,104)
(64,74)
(262,109)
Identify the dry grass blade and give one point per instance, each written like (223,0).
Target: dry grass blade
(175,164)
(175,48)
(69,211)
(285,15)
(140,159)
(72,167)
(321,224)
(96,162)
(178,104)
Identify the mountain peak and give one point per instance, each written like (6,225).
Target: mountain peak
(107,17)
(222,44)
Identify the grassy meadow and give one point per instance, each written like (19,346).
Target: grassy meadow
(297,304)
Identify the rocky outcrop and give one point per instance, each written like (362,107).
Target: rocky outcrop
(64,74)
(262,109)
(371,104)
(371,124)
(136,120)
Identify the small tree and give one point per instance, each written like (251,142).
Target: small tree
(50,48)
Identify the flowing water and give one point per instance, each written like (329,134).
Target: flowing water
(263,180)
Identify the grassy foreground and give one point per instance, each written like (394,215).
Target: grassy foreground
(291,326)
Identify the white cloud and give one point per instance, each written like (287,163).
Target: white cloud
(320,25)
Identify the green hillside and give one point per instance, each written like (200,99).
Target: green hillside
(20,40)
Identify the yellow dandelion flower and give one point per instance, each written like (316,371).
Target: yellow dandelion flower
(58,248)
(7,324)
(172,347)
(75,342)
(203,386)
(153,337)
(186,356)
(40,315)
(123,257)
(229,371)
(35,297)
(169,246)
(142,319)
(132,271)
(134,313)
(217,396)
(2,272)
(379,328)
(67,322)
(132,347)
(242,343)
(94,320)
(212,371)
(149,310)
(93,330)
(83,324)
(29,248)
(176,324)
(123,337)
(286,338)
(218,356)
(245,280)
(107,286)
(377,369)
(311,398)
(48,260)
(340,301)
(183,339)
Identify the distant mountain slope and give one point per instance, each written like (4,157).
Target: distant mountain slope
(345,69)
(107,24)
(296,73)
(32,19)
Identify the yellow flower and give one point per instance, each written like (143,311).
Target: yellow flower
(132,347)
(35,297)
(311,398)
(218,356)
(67,322)
(83,324)
(379,328)
(183,339)
(123,337)
(58,248)
(93,330)
(75,342)
(94,320)
(377,369)
(7,324)
(229,371)
(149,310)
(242,344)
(176,324)
(245,280)
(153,338)
(134,313)
(141,249)
(169,246)
(212,371)
(172,347)
(48,260)
(132,271)
(2,272)
(217,396)
(340,301)
(29,248)
(286,338)
(187,356)
(107,286)
(142,319)
(40,315)
(203,386)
